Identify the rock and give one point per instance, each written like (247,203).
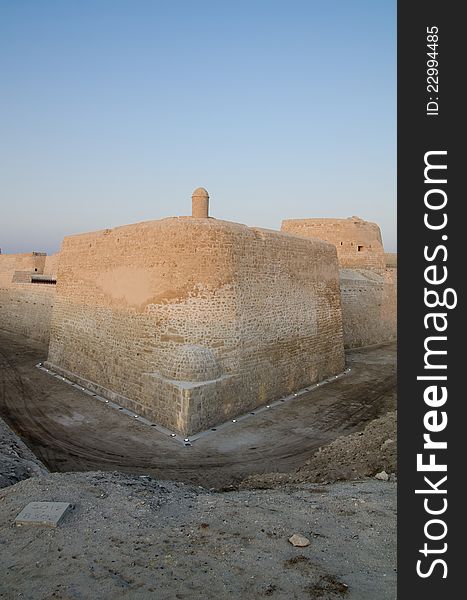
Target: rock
(299,541)
(383,476)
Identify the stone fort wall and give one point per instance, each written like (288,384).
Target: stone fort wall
(184,320)
(368,286)
(51,265)
(31,262)
(358,242)
(391,260)
(26,310)
(26,307)
(368,306)
(191,321)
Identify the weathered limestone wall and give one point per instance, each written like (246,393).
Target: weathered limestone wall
(32,262)
(368,306)
(51,265)
(193,321)
(358,242)
(25,307)
(368,287)
(391,260)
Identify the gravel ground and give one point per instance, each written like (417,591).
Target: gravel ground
(17,462)
(134,537)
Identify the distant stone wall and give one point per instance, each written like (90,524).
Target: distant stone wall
(25,307)
(32,262)
(369,309)
(51,265)
(193,321)
(368,288)
(358,242)
(391,260)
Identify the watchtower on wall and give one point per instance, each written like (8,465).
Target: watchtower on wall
(367,286)
(358,242)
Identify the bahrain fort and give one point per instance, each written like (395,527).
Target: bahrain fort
(367,276)
(192,321)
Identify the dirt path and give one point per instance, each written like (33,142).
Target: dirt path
(70,431)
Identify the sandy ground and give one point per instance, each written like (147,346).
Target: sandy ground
(137,538)
(135,535)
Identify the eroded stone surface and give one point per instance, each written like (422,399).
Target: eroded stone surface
(148,310)
(26,307)
(368,276)
(192,321)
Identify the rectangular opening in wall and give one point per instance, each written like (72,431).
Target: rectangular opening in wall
(359,248)
(43,279)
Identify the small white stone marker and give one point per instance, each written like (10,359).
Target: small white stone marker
(49,514)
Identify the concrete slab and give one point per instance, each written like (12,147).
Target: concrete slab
(49,514)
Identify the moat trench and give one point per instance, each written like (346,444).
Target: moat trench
(70,431)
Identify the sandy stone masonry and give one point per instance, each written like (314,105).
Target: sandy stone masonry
(358,242)
(391,260)
(368,276)
(27,293)
(191,321)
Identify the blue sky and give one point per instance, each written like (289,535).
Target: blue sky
(112,112)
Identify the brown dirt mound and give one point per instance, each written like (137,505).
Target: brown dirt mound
(357,455)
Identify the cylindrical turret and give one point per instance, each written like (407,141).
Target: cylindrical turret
(200,204)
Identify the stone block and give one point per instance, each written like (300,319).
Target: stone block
(49,514)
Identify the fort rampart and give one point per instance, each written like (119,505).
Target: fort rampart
(368,276)
(27,294)
(192,321)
